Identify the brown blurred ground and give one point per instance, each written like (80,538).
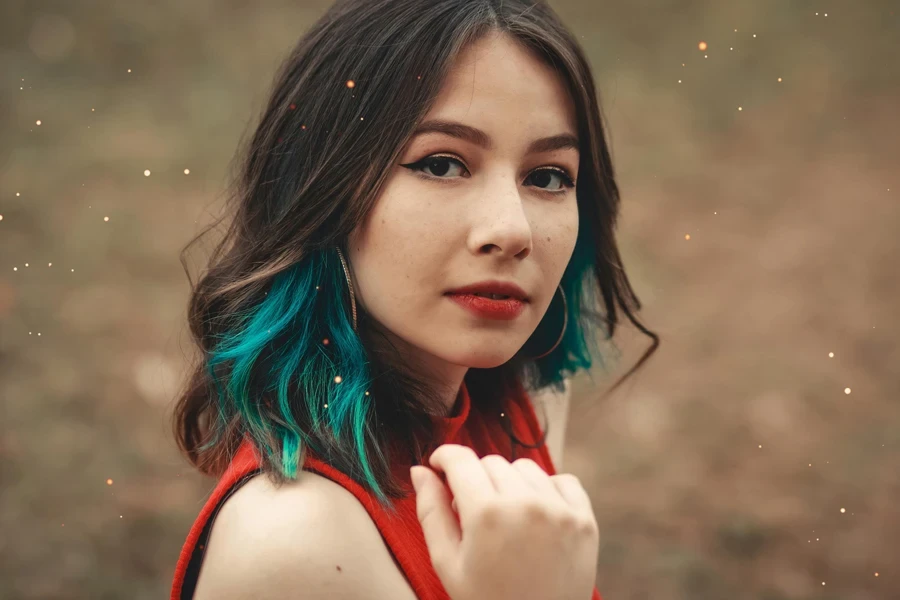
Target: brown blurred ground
(719,472)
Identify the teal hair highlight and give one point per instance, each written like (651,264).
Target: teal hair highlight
(300,367)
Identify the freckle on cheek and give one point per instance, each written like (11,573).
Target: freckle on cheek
(548,238)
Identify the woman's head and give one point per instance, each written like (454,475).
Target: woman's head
(336,161)
(466,202)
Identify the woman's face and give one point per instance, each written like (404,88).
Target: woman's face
(491,211)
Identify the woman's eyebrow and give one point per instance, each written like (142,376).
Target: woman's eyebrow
(475,136)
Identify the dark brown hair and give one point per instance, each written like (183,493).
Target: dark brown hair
(307,177)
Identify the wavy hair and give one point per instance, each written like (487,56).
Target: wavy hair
(279,361)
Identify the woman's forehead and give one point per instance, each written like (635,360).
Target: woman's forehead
(497,85)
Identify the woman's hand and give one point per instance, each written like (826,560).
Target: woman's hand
(520,533)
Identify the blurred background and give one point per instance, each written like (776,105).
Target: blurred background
(757,146)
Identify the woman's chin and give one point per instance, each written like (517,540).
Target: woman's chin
(487,360)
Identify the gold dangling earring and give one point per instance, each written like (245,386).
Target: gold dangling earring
(565,323)
(349,285)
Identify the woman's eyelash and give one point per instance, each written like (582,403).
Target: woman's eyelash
(417,166)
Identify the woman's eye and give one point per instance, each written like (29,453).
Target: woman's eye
(438,167)
(545,176)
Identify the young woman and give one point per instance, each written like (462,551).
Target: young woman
(421,240)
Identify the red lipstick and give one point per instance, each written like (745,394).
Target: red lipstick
(505,310)
(491,299)
(493,287)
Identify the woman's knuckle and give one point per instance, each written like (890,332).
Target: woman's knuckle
(566,478)
(568,521)
(533,510)
(494,458)
(587,528)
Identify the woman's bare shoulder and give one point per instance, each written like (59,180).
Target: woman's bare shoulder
(309,538)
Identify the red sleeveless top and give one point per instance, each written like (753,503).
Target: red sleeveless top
(402,533)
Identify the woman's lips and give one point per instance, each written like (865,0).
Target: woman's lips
(489,308)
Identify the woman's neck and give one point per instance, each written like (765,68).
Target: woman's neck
(447,377)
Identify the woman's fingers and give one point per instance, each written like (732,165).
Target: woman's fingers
(466,477)
(507,479)
(439,526)
(473,480)
(535,477)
